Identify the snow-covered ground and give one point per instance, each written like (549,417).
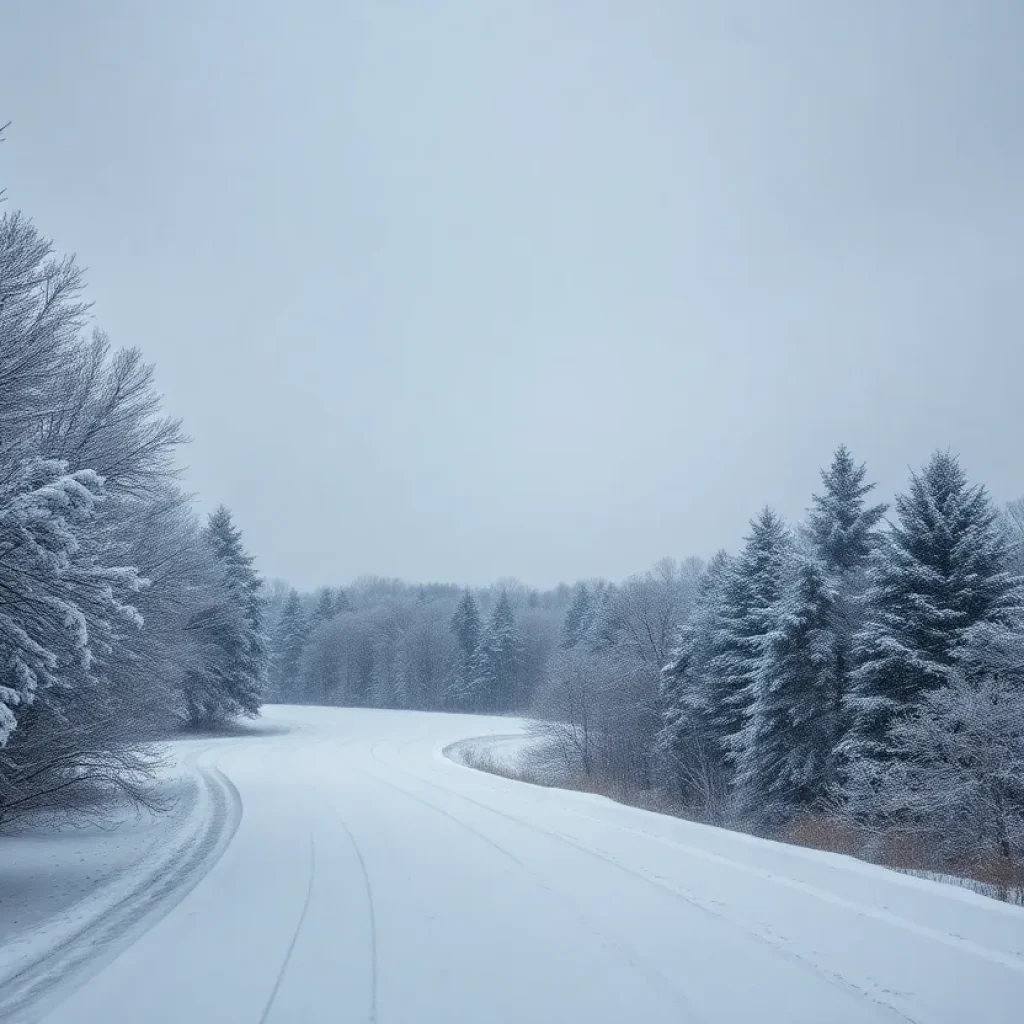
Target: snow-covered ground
(373,879)
(500,753)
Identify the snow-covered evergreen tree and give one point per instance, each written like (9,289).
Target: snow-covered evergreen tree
(290,639)
(467,628)
(795,722)
(942,571)
(690,747)
(325,608)
(231,680)
(751,590)
(843,529)
(498,658)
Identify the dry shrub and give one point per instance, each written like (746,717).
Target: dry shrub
(905,851)
(482,761)
(1004,874)
(820,833)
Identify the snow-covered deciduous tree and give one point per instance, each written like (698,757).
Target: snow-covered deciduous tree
(955,775)
(579,616)
(102,565)
(49,584)
(1013,526)
(570,704)
(633,627)
(942,570)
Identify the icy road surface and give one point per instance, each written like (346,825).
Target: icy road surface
(371,879)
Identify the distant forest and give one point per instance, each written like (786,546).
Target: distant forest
(860,673)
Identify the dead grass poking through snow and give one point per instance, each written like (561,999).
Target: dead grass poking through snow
(998,877)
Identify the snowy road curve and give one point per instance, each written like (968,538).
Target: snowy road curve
(373,880)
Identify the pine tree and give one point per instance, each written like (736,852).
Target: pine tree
(292,630)
(795,722)
(324,610)
(342,603)
(941,573)
(498,660)
(844,533)
(789,738)
(578,616)
(751,590)
(231,679)
(467,627)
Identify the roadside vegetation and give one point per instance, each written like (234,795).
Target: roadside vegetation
(854,682)
(123,615)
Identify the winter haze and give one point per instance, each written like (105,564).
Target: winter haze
(533,288)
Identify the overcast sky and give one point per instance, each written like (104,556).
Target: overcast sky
(461,289)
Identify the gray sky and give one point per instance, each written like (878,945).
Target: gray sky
(462,289)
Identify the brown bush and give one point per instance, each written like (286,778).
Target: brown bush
(820,833)
(1004,874)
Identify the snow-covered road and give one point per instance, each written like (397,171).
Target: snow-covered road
(371,879)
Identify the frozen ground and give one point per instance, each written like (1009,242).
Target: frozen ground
(372,879)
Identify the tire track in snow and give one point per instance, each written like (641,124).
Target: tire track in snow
(53,976)
(1010,962)
(690,899)
(372,913)
(295,936)
(653,974)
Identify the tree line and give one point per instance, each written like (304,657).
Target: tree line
(864,667)
(122,615)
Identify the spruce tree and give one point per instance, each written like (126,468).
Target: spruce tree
(689,745)
(792,721)
(231,678)
(941,572)
(290,640)
(795,722)
(498,659)
(342,603)
(467,627)
(843,531)
(750,592)
(324,610)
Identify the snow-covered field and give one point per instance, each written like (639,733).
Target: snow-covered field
(371,878)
